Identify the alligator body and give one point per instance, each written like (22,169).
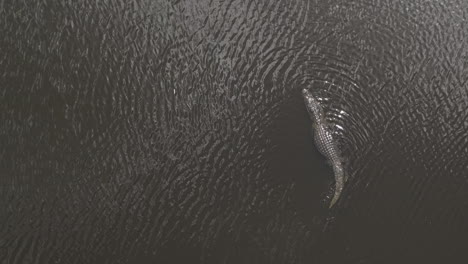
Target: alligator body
(324,141)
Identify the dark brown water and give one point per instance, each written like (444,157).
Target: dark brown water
(175,132)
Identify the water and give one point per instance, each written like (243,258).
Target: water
(157,131)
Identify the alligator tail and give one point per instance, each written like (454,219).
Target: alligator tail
(339,182)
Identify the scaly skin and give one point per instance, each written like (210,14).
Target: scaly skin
(324,142)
